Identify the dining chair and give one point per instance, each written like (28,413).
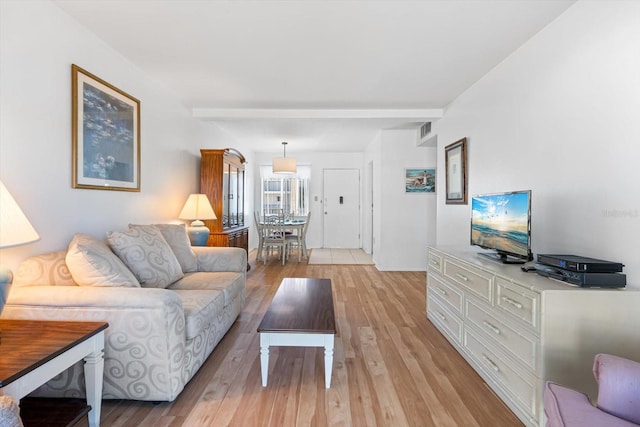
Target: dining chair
(260,231)
(274,237)
(299,240)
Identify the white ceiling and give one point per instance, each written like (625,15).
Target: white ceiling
(252,65)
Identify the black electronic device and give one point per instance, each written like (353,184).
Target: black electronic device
(580,263)
(582,279)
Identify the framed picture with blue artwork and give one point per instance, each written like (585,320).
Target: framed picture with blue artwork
(420,180)
(105,134)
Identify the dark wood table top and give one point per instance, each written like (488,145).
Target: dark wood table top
(301,305)
(28,344)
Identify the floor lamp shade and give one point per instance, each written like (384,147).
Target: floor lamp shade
(15,230)
(197,208)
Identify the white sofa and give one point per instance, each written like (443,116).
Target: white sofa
(160,330)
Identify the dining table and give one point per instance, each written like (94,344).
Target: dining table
(294,225)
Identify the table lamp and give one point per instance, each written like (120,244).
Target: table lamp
(197,208)
(15,230)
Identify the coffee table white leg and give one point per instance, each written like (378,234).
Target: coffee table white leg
(264,357)
(328,359)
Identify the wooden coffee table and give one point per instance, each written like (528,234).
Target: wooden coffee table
(300,315)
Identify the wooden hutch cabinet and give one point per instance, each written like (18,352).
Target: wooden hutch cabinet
(222,180)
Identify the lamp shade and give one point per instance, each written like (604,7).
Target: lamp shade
(197,207)
(284,165)
(15,228)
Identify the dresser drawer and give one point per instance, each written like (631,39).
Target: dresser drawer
(520,345)
(520,385)
(434,262)
(518,302)
(444,319)
(446,292)
(471,278)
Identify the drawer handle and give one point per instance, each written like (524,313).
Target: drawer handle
(435,263)
(441,316)
(490,326)
(514,303)
(440,290)
(490,362)
(462,277)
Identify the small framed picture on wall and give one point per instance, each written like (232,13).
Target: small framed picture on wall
(420,180)
(456,172)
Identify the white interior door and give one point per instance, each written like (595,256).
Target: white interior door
(341,189)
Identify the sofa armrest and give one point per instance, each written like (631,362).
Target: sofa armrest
(221,259)
(618,386)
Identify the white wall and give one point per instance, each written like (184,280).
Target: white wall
(39,43)
(560,116)
(404,223)
(319,161)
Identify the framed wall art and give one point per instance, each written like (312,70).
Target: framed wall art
(420,180)
(105,134)
(456,172)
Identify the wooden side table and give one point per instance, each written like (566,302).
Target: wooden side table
(32,352)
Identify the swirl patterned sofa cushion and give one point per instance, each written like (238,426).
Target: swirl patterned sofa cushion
(45,269)
(92,263)
(231,284)
(157,338)
(147,254)
(178,239)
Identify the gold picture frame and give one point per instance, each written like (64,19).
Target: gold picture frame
(105,134)
(456,172)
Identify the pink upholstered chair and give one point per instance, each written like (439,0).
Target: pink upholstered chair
(618,397)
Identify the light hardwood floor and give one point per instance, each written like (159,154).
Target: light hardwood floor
(391,366)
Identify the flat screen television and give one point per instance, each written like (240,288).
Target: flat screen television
(501,222)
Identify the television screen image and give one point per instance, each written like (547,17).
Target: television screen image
(502,222)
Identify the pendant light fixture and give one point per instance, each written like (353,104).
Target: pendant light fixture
(284,164)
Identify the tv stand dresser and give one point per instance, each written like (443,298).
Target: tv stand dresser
(519,330)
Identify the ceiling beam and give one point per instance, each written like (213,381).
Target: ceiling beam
(270,113)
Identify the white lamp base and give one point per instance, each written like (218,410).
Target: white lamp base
(198,233)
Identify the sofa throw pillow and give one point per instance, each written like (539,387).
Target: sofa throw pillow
(147,254)
(177,237)
(92,263)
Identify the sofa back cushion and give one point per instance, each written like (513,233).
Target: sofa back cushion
(147,254)
(45,269)
(92,263)
(177,237)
